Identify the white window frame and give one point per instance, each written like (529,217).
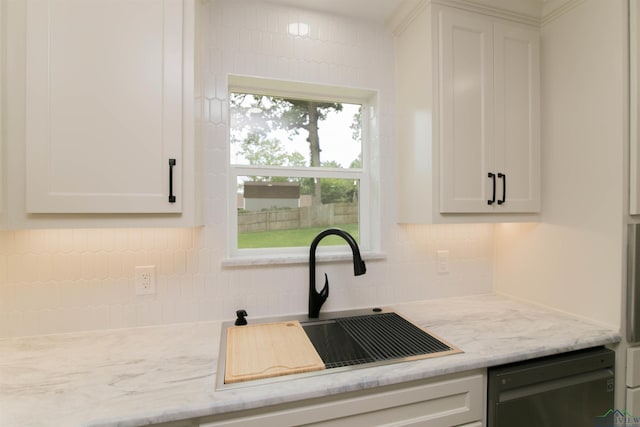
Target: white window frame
(368,175)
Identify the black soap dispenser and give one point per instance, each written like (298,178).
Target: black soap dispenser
(240,318)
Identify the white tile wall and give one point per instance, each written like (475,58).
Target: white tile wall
(70,280)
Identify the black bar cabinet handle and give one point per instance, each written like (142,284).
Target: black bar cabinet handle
(493,197)
(504,188)
(172,163)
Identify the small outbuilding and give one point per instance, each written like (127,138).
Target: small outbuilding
(259,195)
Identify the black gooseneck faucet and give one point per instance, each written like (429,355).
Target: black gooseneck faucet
(316,299)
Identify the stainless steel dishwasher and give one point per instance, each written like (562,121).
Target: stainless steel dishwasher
(572,389)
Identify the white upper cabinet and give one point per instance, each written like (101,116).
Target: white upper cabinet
(469,126)
(104,106)
(2,119)
(634,110)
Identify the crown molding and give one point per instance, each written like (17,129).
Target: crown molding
(527,12)
(404,15)
(553,9)
(534,12)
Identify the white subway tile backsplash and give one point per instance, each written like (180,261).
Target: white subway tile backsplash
(71,280)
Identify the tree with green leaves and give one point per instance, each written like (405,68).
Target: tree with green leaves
(304,114)
(262,151)
(292,115)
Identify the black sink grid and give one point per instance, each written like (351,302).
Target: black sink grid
(370,338)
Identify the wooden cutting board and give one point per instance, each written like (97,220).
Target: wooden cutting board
(268,350)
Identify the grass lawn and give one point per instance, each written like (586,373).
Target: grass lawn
(293,238)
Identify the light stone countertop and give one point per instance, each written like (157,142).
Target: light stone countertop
(138,376)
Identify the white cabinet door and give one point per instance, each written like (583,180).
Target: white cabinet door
(517,117)
(466,99)
(489,99)
(104,106)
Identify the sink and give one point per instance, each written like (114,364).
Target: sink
(367,338)
(355,339)
(335,346)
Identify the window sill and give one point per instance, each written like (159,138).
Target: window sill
(285,259)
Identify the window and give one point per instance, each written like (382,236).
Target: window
(299,163)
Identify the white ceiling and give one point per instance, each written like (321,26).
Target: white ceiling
(374,10)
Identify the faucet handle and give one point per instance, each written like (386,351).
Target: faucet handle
(324,293)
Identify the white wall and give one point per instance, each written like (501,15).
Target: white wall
(573,260)
(68,280)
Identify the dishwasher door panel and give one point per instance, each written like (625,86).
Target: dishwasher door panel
(571,389)
(573,405)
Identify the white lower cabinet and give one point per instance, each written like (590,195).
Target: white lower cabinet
(633,400)
(633,381)
(452,400)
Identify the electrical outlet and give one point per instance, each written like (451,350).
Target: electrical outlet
(145,280)
(443,262)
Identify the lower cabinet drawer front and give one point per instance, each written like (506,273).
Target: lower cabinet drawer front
(447,401)
(633,367)
(633,401)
